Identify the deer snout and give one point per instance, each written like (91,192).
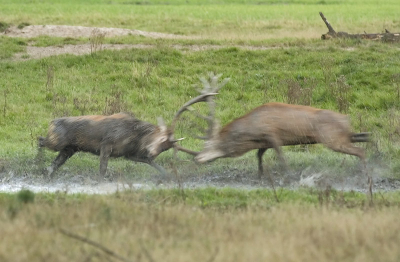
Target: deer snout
(208,156)
(200,159)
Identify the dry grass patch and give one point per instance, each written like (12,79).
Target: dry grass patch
(144,227)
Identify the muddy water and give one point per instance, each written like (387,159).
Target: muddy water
(71,188)
(233,178)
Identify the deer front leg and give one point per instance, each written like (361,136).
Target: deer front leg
(275,143)
(150,162)
(159,168)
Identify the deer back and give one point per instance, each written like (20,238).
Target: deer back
(128,135)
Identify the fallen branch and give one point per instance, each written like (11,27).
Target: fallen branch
(385,37)
(214,255)
(146,253)
(95,244)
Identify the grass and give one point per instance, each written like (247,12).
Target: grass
(10,46)
(163,78)
(156,81)
(203,224)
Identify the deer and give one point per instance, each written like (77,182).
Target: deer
(117,135)
(274,125)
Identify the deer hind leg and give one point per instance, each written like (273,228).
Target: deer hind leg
(63,156)
(105,152)
(345,146)
(39,158)
(260,154)
(349,149)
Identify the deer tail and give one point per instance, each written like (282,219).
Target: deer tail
(360,137)
(41,141)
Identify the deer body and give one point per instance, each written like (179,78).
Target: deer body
(276,124)
(118,135)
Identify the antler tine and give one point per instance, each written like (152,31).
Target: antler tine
(206,85)
(197,114)
(214,80)
(211,85)
(195,100)
(190,152)
(216,88)
(201,137)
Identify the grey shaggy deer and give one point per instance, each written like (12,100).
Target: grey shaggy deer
(118,135)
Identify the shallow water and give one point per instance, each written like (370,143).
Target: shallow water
(70,188)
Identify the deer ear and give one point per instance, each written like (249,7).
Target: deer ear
(161,124)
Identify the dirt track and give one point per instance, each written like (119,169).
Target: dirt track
(82,31)
(35,52)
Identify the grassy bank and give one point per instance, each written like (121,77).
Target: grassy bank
(157,81)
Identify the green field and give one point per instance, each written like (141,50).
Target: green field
(228,20)
(155,81)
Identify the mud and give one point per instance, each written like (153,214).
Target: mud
(232,178)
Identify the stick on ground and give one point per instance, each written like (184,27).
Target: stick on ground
(95,244)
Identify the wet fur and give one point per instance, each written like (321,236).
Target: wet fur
(118,135)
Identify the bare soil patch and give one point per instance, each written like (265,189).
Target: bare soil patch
(82,31)
(34,52)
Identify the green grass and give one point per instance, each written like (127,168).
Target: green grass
(216,198)
(163,78)
(212,20)
(10,46)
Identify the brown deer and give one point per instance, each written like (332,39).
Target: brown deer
(277,124)
(118,135)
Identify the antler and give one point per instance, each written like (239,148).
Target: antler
(200,98)
(211,85)
(210,89)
